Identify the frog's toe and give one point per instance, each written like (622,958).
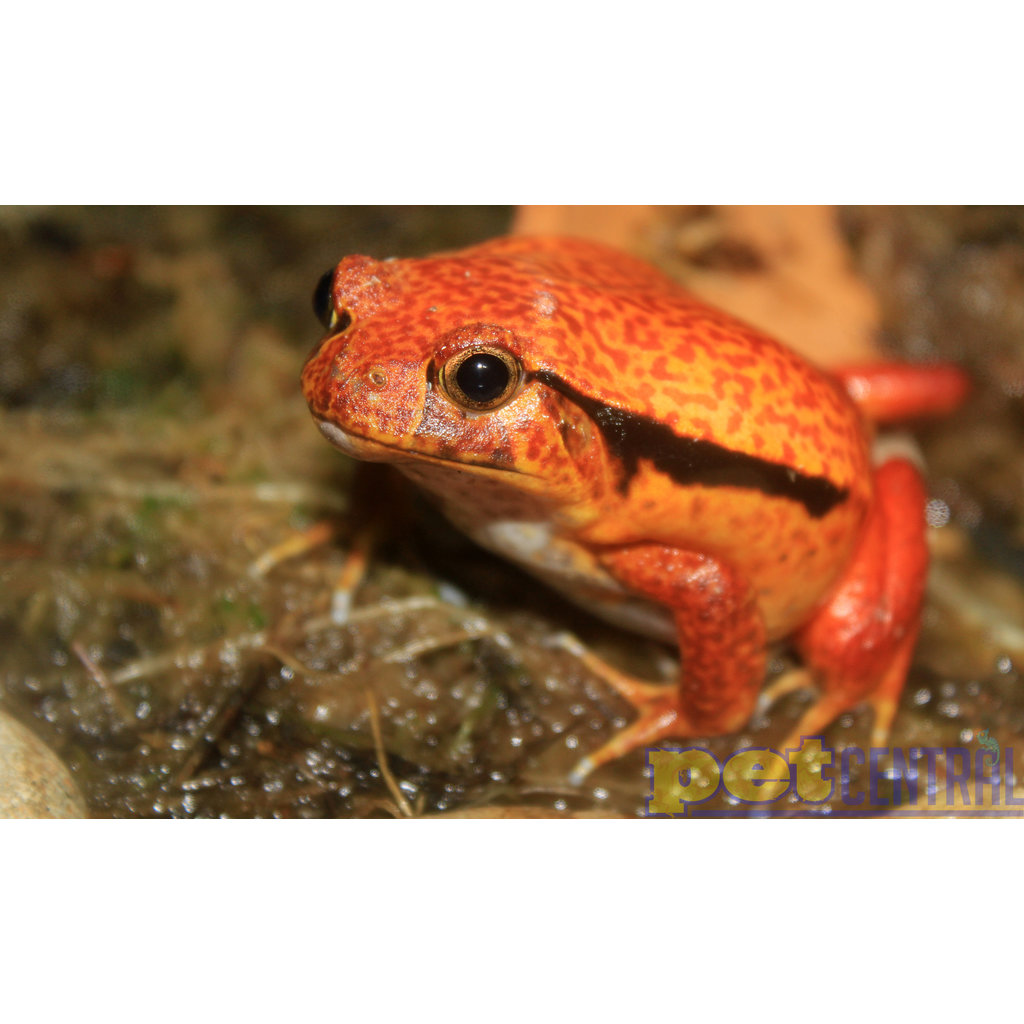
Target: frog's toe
(789,682)
(816,719)
(583,768)
(566,641)
(880,690)
(636,691)
(885,699)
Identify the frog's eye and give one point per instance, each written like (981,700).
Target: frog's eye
(480,378)
(323,305)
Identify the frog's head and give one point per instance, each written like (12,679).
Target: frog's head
(438,365)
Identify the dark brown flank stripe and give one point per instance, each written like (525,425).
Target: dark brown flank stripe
(689,460)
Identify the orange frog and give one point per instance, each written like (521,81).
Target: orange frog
(663,464)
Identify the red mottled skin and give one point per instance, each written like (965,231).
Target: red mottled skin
(733,567)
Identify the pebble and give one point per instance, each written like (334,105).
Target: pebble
(33,781)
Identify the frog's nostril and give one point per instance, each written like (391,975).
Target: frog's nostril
(377,377)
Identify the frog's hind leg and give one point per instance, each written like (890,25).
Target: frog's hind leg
(859,644)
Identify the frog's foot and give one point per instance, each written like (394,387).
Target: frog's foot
(637,692)
(292,546)
(816,719)
(659,718)
(364,540)
(657,704)
(884,701)
(886,697)
(375,500)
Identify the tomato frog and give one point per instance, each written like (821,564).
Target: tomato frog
(660,462)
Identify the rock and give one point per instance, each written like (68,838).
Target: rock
(33,781)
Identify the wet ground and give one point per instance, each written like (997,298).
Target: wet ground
(155,455)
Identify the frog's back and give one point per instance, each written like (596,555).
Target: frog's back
(622,333)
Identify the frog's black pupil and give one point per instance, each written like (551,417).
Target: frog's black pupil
(322,301)
(483,377)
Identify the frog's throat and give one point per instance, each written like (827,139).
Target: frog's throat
(371,450)
(690,460)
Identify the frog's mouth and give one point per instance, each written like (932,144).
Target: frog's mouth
(369,450)
(354,445)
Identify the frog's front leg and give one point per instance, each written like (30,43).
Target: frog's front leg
(859,643)
(721,639)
